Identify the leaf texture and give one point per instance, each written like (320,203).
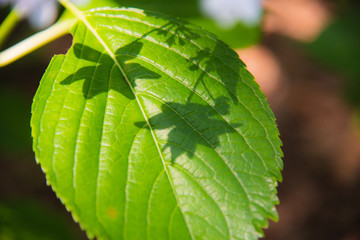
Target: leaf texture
(152,128)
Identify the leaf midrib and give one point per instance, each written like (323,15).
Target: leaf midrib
(82,18)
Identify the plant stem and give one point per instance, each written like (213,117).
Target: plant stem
(8,25)
(72,8)
(80,15)
(35,41)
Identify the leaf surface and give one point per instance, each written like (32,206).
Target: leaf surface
(152,128)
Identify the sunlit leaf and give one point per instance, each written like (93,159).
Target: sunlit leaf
(152,128)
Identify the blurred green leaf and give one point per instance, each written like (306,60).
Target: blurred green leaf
(27,220)
(177,8)
(338,48)
(239,36)
(14,122)
(339,45)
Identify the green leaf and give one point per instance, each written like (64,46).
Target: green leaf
(152,128)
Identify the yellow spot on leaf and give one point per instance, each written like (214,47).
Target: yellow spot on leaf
(112,213)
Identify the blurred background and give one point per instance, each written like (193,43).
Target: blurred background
(305,55)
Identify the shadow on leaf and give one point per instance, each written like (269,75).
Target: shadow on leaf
(176,32)
(211,63)
(191,124)
(188,125)
(96,78)
(94,85)
(217,60)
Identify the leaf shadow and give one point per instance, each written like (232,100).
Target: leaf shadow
(191,124)
(208,62)
(215,60)
(187,125)
(123,55)
(104,64)
(177,31)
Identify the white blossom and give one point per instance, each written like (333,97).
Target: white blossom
(40,13)
(228,13)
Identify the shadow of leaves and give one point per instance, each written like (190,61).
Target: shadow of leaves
(211,63)
(176,32)
(191,124)
(104,64)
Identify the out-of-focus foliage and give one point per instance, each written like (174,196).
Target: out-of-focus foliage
(338,48)
(27,220)
(179,8)
(14,122)
(238,36)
